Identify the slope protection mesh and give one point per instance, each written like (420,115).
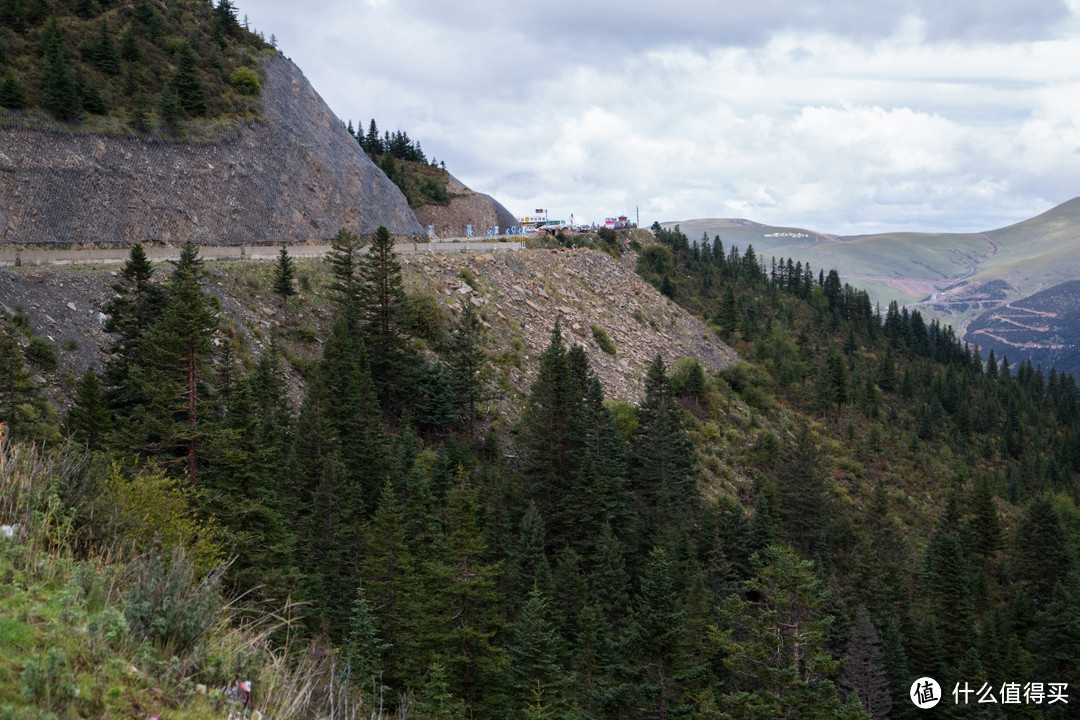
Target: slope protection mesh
(296,177)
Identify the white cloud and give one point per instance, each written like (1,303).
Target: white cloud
(836,116)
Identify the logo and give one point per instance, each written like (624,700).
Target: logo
(925,693)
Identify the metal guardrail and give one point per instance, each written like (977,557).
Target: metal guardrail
(113,256)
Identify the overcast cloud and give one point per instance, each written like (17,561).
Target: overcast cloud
(839,116)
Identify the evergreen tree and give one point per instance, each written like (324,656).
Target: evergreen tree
(656,658)
(172,372)
(775,643)
(466,358)
(23,409)
(864,673)
(1042,556)
(187,84)
(284,276)
(139,301)
(58,85)
(803,489)
(382,296)
(364,647)
(345,248)
(388,572)
(103,54)
(536,678)
(661,451)
(88,419)
(12,95)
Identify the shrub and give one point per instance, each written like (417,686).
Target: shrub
(603,340)
(154,512)
(245,81)
(424,317)
(43,353)
(167,605)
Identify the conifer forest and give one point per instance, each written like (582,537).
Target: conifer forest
(861,502)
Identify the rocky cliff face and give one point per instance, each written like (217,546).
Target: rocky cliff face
(465,208)
(297,177)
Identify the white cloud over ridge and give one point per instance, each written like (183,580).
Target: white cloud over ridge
(837,116)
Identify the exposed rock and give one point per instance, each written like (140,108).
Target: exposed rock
(297,177)
(591,289)
(466,208)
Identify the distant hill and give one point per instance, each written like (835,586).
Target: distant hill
(954,277)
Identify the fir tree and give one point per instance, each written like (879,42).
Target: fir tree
(382,296)
(103,54)
(342,258)
(661,451)
(466,358)
(59,87)
(22,407)
(88,419)
(775,643)
(364,648)
(187,84)
(12,95)
(864,673)
(388,572)
(655,655)
(536,677)
(284,276)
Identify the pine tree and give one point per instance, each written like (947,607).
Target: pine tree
(88,420)
(187,84)
(775,643)
(12,95)
(864,673)
(382,296)
(103,53)
(655,655)
(284,276)
(661,451)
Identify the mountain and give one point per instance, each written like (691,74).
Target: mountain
(295,176)
(973,281)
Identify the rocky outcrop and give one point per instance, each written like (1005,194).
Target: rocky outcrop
(296,177)
(519,295)
(465,208)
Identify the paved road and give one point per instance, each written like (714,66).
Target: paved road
(111,256)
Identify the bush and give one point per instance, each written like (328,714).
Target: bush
(43,353)
(602,339)
(153,512)
(424,317)
(167,605)
(245,81)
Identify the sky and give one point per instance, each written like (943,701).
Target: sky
(838,116)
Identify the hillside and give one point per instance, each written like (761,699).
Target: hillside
(127,68)
(518,294)
(295,176)
(952,277)
(497,503)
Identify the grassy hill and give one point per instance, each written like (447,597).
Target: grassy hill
(115,67)
(953,277)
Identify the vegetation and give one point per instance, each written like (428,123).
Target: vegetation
(129,67)
(861,502)
(404,162)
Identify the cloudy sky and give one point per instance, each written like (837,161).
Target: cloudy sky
(841,116)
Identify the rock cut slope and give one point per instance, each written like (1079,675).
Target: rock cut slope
(296,177)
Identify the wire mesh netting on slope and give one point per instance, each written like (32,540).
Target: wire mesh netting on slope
(297,176)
